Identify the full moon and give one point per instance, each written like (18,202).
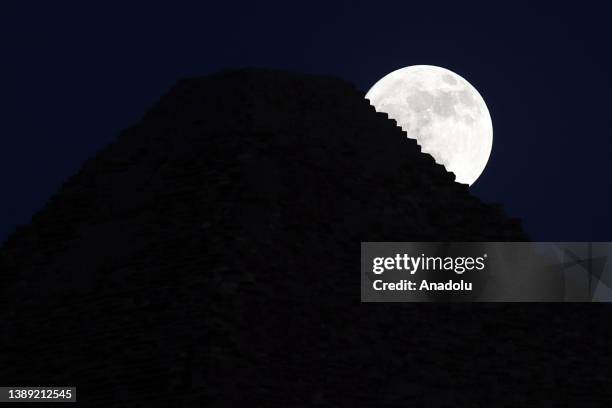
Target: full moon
(443,112)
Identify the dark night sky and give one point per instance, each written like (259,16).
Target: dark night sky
(73,75)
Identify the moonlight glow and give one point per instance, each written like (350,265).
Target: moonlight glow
(443,112)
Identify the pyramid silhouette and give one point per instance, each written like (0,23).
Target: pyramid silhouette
(210,257)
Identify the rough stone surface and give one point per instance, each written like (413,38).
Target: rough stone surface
(210,257)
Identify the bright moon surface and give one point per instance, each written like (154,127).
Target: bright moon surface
(443,112)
